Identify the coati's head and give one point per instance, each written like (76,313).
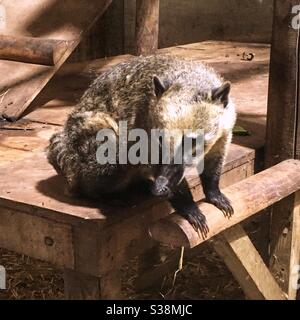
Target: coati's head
(186,107)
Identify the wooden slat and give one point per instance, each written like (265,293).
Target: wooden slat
(235,248)
(147,26)
(65,21)
(32,50)
(247,197)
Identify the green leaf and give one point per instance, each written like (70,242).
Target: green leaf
(240,131)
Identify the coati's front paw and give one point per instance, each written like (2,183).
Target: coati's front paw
(197,219)
(219,200)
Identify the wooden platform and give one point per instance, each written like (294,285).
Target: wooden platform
(38,219)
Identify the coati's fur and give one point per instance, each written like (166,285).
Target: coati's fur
(158,91)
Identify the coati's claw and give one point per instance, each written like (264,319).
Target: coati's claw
(221,202)
(198,220)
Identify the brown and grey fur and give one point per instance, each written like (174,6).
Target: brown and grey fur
(157,91)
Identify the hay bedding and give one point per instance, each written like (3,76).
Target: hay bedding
(203,277)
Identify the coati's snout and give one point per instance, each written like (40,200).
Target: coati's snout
(160,187)
(168,179)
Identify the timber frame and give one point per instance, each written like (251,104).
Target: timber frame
(91,250)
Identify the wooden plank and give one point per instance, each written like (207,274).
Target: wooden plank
(147,26)
(235,248)
(43,190)
(247,198)
(45,20)
(20,140)
(283,132)
(32,50)
(36,237)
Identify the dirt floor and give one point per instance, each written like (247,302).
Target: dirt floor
(203,277)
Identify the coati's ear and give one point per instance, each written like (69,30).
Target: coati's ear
(159,87)
(222,93)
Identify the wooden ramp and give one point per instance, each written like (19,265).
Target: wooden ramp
(44,32)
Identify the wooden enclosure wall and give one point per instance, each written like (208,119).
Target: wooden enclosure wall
(181,22)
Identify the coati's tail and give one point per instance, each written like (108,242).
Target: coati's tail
(56,151)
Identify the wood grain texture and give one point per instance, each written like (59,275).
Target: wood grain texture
(36,237)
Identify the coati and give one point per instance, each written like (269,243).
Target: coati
(156,91)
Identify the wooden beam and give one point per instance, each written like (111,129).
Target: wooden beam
(242,259)
(283,133)
(32,50)
(247,197)
(147,26)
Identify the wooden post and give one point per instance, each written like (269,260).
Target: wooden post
(80,286)
(147,26)
(283,136)
(93,277)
